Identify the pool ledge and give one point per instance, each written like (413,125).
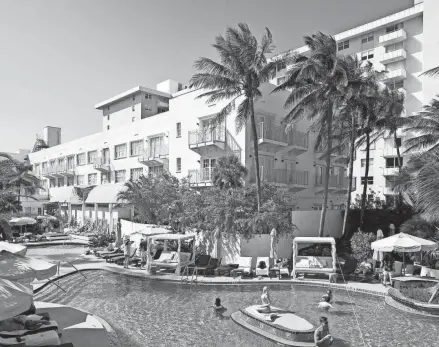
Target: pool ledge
(365,288)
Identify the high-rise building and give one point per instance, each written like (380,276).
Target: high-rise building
(405,44)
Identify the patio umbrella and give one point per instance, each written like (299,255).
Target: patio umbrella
(15,298)
(22,221)
(15,267)
(47,217)
(403,243)
(273,242)
(13,248)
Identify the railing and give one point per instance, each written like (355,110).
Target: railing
(101,162)
(395,74)
(273,133)
(233,145)
(298,138)
(398,35)
(197,137)
(203,175)
(283,176)
(394,55)
(320,181)
(298,178)
(343,182)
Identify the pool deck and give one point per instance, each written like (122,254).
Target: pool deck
(88,263)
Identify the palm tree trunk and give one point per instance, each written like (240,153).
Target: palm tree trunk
(327,172)
(255,145)
(351,175)
(398,153)
(366,174)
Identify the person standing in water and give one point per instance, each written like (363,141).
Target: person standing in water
(322,337)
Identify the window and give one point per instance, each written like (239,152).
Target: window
(369,180)
(363,162)
(148,108)
(120,176)
(147,96)
(70,181)
(393,162)
(343,45)
(319,174)
(108,127)
(367,38)
(70,163)
(108,117)
(92,156)
(390,181)
(366,55)
(281,80)
(398,142)
(161,109)
(105,177)
(394,47)
(133,108)
(136,147)
(178,164)
(133,119)
(93,178)
(134,98)
(370,197)
(60,182)
(318,207)
(108,107)
(37,169)
(39,210)
(392,28)
(136,173)
(395,85)
(80,180)
(80,159)
(178,129)
(120,151)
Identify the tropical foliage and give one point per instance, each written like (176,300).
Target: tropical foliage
(229,173)
(236,79)
(360,245)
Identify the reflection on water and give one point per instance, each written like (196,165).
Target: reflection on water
(153,313)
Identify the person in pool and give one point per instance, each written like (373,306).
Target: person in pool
(324,304)
(217,305)
(328,296)
(322,337)
(266,302)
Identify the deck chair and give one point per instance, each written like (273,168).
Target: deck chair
(244,267)
(262,266)
(210,267)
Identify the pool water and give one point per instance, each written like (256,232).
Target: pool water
(153,313)
(56,253)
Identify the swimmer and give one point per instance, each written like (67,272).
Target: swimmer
(217,305)
(324,305)
(328,296)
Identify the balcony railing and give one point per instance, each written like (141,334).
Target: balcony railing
(298,178)
(157,152)
(391,57)
(333,181)
(284,176)
(197,137)
(202,176)
(101,163)
(395,75)
(298,138)
(273,133)
(393,37)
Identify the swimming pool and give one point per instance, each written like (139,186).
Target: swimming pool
(56,253)
(155,313)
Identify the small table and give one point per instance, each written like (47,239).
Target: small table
(275,271)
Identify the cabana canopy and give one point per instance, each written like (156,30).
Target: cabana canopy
(174,237)
(403,243)
(330,240)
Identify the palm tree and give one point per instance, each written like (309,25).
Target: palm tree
(236,78)
(318,83)
(229,173)
(426,124)
(433,72)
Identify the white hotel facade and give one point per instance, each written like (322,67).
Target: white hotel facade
(146,131)
(405,44)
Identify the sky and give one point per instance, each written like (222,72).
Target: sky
(59,58)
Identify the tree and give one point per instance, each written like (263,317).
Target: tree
(318,83)
(426,124)
(153,197)
(229,173)
(433,72)
(236,78)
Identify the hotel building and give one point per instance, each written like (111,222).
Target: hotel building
(146,131)
(405,44)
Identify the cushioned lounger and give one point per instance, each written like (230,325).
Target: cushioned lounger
(52,326)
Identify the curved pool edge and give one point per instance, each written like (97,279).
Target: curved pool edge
(350,287)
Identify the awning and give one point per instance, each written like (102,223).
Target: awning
(105,194)
(163,104)
(64,194)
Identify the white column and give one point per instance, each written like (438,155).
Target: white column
(132,213)
(178,269)
(293,273)
(148,252)
(69,212)
(83,213)
(96,213)
(110,210)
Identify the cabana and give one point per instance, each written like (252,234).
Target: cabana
(314,264)
(172,260)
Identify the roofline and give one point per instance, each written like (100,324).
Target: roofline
(132,91)
(365,28)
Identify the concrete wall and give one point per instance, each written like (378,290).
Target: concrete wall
(431,48)
(308,223)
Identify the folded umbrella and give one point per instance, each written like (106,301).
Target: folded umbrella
(15,298)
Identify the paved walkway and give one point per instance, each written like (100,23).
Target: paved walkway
(93,263)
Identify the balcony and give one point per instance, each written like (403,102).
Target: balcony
(342,185)
(157,156)
(320,183)
(392,57)
(298,180)
(390,171)
(66,170)
(102,164)
(322,149)
(201,178)
(297,142)
(293,180)
(342,156)
(395,75)
(201,141)
(271,138)
(393,37)
(49,172)
(388,190)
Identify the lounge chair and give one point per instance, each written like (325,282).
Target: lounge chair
(210,267)
(244,267)
(281,267)
(25,332)
(262,266)
(224,270)
(202,261)
(120,259)
(174,261)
